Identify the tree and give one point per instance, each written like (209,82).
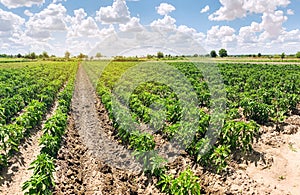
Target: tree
(282,56)
(19,55)
(98,55)
(213,54)
(81,55)
(298,54)
(223,53)
(45,54)
(259,55)
(67,55)
(160,54)
(32,55)
(149,56)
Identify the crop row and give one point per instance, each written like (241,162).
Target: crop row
(13,133)
(22,85)
(42,180)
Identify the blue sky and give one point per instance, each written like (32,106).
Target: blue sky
(240,26)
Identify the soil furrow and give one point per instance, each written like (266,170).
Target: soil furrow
(89,162)
(17,172)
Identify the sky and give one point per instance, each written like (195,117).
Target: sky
(115,27)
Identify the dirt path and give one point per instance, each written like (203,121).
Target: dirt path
(90,161)
(92,130)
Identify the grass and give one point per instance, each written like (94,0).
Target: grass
(291,147)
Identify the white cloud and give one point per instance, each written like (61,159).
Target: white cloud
(167,23)
(9,22)
(28,13)
(223,36)
(292,36)
(290,12)
(272,24)
(132,25)
(205,9)
(118,13)
(56,1)
(21,3)
(258,6)
(80,26)
(232,9)
(40,25)
(248,34)
(165,9)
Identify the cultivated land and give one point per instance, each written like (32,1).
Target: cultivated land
(98,127)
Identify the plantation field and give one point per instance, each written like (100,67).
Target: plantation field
(256,96)
(157,127)
(28,92)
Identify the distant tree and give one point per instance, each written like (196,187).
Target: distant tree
(81,56)
(98,55)
(160,54)
(19,55)
(213,54)
(32,55)
(259,55)
(195,55)
(67,55)
(223,53)
(282,56)
(149,56)
(45,54)
(298,54)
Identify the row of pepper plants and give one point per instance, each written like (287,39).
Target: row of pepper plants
(265,93)
(42,180)
(14,129)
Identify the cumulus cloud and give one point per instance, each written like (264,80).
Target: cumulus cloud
(290,12)
(10,22)
(40,25)
(165,8)
(205,9)
(232,9)
(55,1)
(248,34)
(132,25)
(81,26)
(28,13)
(272,24)
(118,13)
(223,36)
(21,3)
(167,22)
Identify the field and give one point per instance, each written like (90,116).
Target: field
(157,127)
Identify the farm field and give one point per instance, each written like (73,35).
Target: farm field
(157,127)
